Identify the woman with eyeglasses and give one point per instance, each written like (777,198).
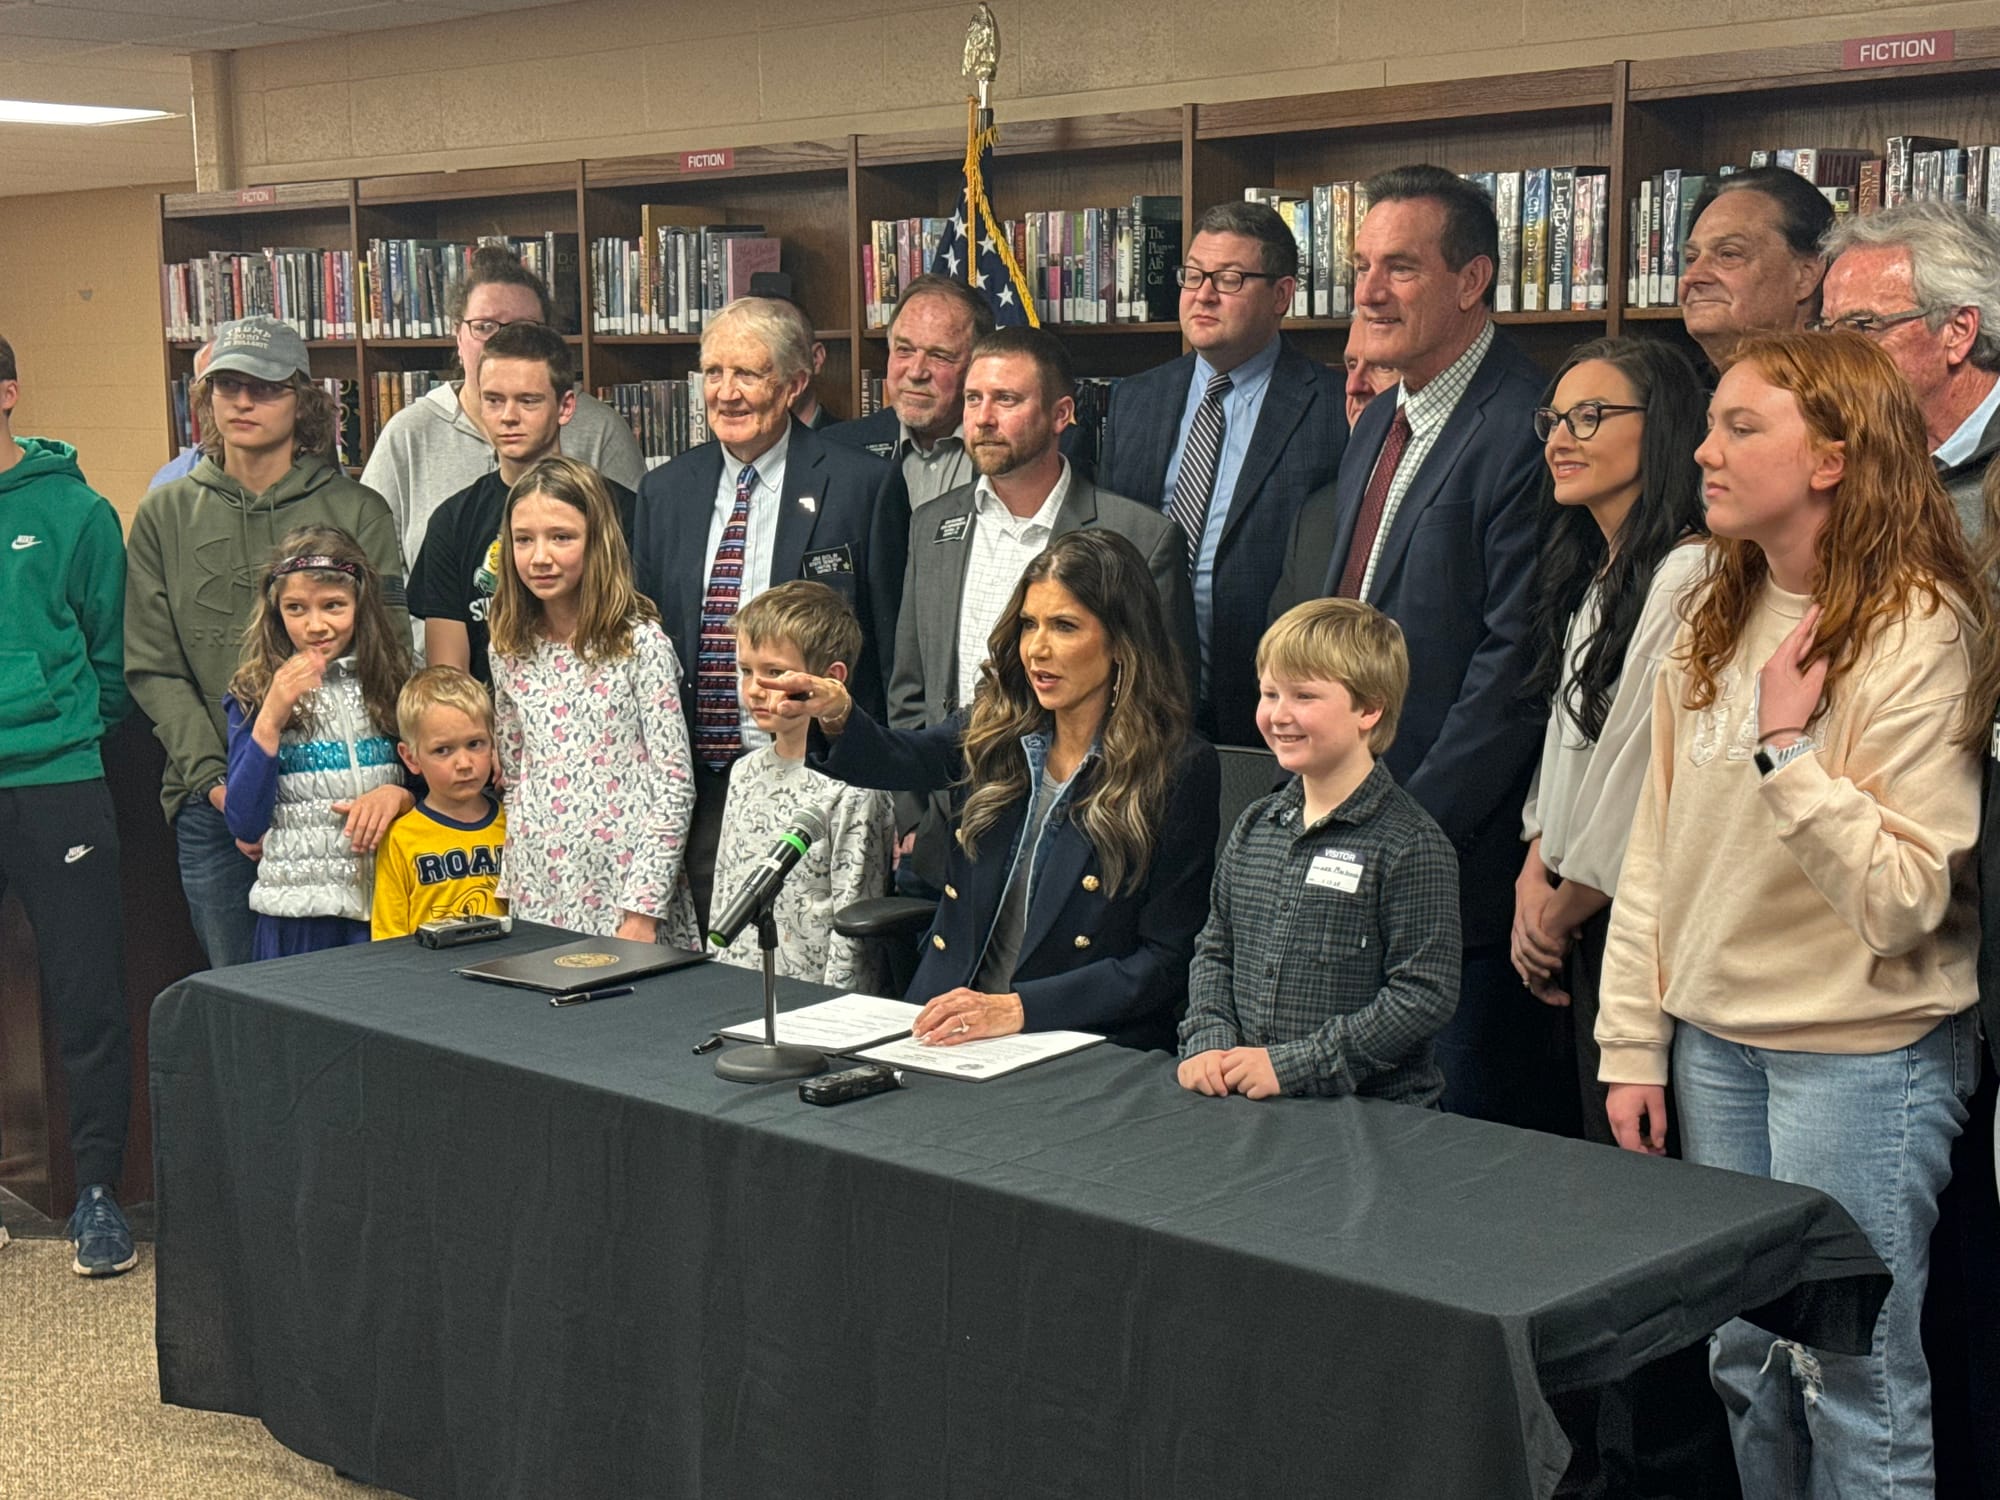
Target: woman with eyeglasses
(434,447)
(1622,527)
(1796,930)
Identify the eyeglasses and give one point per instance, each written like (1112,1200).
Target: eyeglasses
(235,388)
(1581,419)
(484,328)
(1868,323)
(1226,282)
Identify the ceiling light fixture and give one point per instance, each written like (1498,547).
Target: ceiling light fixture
(35,112)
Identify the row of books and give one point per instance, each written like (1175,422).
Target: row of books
(405,286)
(346,395)
(309,289)
(1910,166)
(677,274)
(666,416)
(396,389)
(1555,237)
(1083,265)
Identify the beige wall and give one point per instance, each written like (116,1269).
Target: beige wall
(628,76)
(80,302)
(78,276)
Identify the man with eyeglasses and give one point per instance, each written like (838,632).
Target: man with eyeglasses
(765,500)
(435,447)
(192,557)
(1922,279)
(1432,521)
(1229,440)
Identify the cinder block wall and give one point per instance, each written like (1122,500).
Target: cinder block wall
(612,77)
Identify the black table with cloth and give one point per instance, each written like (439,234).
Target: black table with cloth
(444,1236)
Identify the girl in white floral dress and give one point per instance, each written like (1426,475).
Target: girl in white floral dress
(587,722)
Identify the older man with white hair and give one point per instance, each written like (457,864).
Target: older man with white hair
(1923,280)
(767,499)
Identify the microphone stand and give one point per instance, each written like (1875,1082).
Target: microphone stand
(768,1061)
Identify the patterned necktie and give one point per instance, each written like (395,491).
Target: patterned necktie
(718,721)
(1194,486)
(1369,522)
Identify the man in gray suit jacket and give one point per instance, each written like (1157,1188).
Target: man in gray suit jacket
(969,547)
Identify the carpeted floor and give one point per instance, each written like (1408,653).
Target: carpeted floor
(80,1409)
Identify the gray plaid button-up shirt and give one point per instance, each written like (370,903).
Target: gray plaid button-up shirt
(1336,946)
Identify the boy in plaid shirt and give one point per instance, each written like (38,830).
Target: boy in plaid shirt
(1331,956)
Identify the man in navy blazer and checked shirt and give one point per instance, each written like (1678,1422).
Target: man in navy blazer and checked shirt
(1432,521)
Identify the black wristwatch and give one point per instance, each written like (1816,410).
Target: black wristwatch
(1776,760)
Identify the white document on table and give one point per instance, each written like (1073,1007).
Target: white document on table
(987,1058)
(842,1024)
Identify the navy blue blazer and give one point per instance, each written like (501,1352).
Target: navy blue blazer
(876,433)
(1090,960)
(1457,572)
(845,522)
(1301,433)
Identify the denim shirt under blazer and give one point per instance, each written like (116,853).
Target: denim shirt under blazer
(1090,960)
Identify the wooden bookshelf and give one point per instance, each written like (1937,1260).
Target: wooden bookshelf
(819,196)
(800,192)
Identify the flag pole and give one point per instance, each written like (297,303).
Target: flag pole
(982,65)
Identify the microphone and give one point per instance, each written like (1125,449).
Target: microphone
(768,875)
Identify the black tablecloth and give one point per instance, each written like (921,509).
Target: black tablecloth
(442,1235)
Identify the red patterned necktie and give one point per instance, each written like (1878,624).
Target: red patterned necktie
(718,721)
(1369,522)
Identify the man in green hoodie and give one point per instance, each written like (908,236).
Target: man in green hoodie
(195,550)
(62,573)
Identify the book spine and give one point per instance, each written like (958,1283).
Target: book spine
(1534,238)
(1302,236)
(1583,236)
(1562,234)
(1507,210)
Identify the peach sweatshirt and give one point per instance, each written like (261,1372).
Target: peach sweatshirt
(1828,907)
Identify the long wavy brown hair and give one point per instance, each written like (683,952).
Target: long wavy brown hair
(381,652)
(1891,539)
(1139,741)
(608,605)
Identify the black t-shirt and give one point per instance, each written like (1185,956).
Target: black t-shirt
(456,570)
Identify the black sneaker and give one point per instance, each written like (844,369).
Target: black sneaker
(102,1237)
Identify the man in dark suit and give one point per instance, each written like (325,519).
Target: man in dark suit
(969,547)
(1229,440)
(936,323)
(766,500)
(1432,520)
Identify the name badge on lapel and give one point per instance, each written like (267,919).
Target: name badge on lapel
(828,562)
(951,528)
(1335,869)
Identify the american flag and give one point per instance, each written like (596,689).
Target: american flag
(974,234)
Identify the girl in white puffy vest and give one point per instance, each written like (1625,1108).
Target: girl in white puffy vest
(314,781)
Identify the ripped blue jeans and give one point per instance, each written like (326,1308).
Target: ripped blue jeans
(1874,1133)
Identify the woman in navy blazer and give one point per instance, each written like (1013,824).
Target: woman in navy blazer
(1084,809)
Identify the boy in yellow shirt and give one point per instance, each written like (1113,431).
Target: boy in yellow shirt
(441,859)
